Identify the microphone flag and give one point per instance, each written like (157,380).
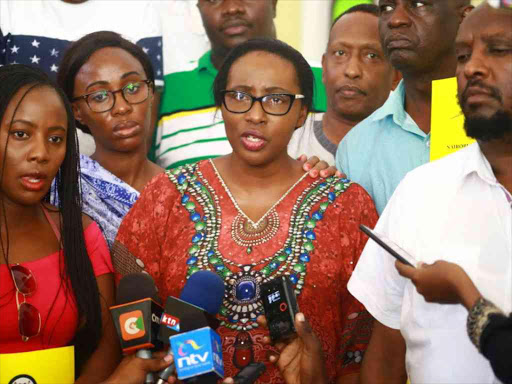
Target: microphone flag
(137,324)
(198,353)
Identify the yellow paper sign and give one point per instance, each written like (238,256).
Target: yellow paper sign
(48,366)
(447,134)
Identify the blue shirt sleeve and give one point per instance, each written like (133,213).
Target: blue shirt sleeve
(342,163)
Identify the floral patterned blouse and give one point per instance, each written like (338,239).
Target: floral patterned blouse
(185,221)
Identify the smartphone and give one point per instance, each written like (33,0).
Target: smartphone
(393,249)
(250,373)
(280,306)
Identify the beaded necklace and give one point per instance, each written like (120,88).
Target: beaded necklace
(244,231)
(242,305)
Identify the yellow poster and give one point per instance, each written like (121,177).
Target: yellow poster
(48,366)
(447,133)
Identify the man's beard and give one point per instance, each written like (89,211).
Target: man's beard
(495,127)
(484,128)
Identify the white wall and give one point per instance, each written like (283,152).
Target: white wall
(316,23)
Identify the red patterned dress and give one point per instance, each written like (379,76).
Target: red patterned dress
(185,221)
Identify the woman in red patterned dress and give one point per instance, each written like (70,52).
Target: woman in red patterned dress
(252,216)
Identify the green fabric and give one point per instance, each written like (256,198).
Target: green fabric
(320,95)
(189,90)
(186,91)
(341,6)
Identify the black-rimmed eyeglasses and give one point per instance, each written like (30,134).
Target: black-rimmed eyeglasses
(103,101)
(277,104)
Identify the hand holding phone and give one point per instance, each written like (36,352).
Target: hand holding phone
(280,306)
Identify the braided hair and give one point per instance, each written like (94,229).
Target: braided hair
(78,276)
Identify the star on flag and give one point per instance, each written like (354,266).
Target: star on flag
(45,52)
(34,59)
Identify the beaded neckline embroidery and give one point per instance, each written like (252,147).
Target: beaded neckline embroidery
(246,232)
(242,305)
(246,235)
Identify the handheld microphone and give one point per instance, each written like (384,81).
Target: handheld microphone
(199,302)
(137,316)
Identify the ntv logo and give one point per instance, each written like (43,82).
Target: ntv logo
(187,359)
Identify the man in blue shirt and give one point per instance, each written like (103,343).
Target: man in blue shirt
(418,38)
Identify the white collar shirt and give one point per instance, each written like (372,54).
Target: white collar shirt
(453,209)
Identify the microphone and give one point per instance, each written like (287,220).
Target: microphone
(199,302)
(137,316)
(192,317)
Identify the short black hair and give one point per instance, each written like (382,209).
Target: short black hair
(81,50)
(371,9)
(276,47)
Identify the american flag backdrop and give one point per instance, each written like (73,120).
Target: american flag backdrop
(46,53)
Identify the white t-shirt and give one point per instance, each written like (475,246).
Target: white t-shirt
(310,140)
(184,37)
(37,32)
(452,209)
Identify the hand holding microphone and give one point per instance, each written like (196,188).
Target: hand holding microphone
(300,359)
(137,317)
(133,369)
(189,323)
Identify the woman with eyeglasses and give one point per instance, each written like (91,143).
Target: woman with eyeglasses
(253,215)
(56,280)
(110,82)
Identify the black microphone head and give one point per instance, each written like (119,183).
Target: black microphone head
(204,289)
(136,286)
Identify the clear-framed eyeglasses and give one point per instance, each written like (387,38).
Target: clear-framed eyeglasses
(277,104)
(102,101)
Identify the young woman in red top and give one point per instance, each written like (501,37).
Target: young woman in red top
(56,280)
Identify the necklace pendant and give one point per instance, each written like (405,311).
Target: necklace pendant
(249,250)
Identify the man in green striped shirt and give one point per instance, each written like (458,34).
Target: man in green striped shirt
(190,128)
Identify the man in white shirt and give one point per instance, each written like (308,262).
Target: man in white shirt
(357,77)
(457,209)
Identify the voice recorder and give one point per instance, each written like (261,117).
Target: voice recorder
(280,305)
